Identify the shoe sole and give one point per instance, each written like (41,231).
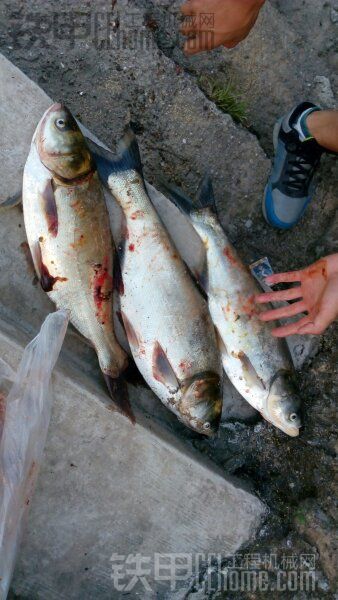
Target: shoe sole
(276,131)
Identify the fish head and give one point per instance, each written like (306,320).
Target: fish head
(201,403)
(61,145)
(283,405)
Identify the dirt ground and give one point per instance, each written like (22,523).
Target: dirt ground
(110,67)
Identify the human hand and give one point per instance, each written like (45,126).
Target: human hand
(317,295)
(232,21)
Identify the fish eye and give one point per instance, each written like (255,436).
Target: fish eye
(293,417)
(60,123)
(206,426)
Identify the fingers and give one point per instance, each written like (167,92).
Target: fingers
(199,43)
(285,311)
(284,277)
(291,328)
(290,294)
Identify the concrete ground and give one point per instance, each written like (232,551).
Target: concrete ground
(129,65)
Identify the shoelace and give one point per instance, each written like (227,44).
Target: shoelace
(300,169)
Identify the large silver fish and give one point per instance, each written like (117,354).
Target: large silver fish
(68,232)
(167,322)
(256,363)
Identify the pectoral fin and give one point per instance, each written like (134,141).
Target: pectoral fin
(162,369)
(250,374)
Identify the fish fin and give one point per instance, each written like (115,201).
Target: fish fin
(12,201)
(162,369)
(132,336)
(205,197)
(37,258)
(118,392)
(129,152)
(127,159)
(250,373)
(50,208)
(177,196)
(118,279)
(201,278)
(28,257)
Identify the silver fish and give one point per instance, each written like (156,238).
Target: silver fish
(167,322)
(257,364)
(68,232)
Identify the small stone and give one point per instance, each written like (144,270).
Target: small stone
(184,141)
(248,224)
(334,15)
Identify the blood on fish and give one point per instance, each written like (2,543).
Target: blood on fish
(50,209)
(78,242)
(249,307)
(184,365)
(102,285)
(47,281)
(137,214)
(131,247)
(227,251)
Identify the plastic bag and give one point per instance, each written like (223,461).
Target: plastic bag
(27,414)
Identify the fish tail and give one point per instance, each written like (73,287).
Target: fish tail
(127,159)
(118,391)
(177,196)
(129,152)
(205,197)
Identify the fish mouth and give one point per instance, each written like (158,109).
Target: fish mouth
(291,429)
(201,404)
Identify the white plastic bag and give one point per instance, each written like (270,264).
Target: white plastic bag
(26,419)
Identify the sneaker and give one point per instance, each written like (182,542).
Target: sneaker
(297,156)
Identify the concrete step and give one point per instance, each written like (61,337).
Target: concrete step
(105,486)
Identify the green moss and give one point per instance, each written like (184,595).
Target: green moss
(226,97)
(300,517)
